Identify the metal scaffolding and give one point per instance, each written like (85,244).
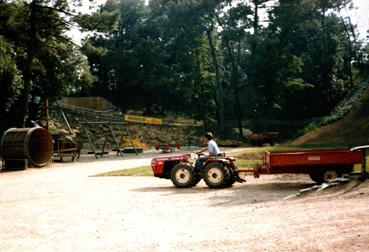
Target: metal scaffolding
(111,133)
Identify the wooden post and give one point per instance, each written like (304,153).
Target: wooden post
(66,121)
(103,148)
(119,151)
(130,138)
(47,112)
(91,143)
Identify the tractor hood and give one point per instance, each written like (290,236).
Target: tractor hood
(182,157)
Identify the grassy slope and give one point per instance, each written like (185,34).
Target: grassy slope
(353,129)
(138,171)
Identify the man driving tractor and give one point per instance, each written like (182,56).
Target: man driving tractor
(212,149)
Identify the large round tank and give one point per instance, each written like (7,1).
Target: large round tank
(34,144)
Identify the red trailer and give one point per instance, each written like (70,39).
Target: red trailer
(320,164)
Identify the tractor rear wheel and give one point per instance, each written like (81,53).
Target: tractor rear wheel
(230,181)
(217,175)
(232,178)
(183,176)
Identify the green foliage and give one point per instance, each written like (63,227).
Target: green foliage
(10,79)
(101,22)
(160,65)
(214,61)
(346,106)
(159,60)
(36,56)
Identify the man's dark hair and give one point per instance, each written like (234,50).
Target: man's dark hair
(208,135)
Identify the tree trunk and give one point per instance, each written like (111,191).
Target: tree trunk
(236,95)
(47,114)
(251,69)
(31,54)
(324,70)
(202,115)
(219,87)
(235,85)
(349,65)
(255,26)
(349,30)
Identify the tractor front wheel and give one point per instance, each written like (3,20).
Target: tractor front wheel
(183,176)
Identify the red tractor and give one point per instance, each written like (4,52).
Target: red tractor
(217,172)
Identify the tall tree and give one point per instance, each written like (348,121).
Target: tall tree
(43,47)
(10,82)
(234,23)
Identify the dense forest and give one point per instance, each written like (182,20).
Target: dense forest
(260,64)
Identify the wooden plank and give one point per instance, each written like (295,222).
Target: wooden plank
(66,121)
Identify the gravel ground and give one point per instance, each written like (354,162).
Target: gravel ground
(63,208)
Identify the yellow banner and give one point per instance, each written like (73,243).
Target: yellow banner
(143,119)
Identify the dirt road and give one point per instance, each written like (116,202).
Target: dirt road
(63,208)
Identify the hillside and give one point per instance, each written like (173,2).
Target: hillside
(353,129)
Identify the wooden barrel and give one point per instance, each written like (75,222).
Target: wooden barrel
(34,144)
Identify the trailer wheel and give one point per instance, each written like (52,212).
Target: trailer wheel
(314,177)
(183,176)
(324,175)
(216,175)
(330,175)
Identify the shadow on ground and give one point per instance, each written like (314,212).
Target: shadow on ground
(170,190)
(6,170)
(258,193)
(239,194)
